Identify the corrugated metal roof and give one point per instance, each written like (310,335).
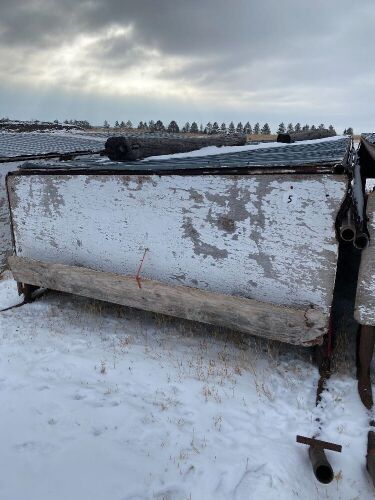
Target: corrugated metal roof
(323,152)
(14,145)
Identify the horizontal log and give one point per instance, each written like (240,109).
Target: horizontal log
(307,135)
(296,326)
(133,148)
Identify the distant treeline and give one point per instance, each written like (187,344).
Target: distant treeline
(209,128)
(215,128)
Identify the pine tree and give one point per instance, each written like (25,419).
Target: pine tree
(173,127)
(321,126)
(140,126)
(194,128)
(215,128)
(297,127)
(159,126)
(117,125)
(231,128)
(306,128)
(129,124)
(256,128)
(106,124)
(247,128)
(290,128)
(65,121)
(281,129)
(186,127)
(223,128)
(266,129)
(349,131)
(239,128)
(208,129)
(201,128)
(313,127)
(151,126)
(331,128)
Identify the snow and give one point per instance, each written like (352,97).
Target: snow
(100,401)
(215,150)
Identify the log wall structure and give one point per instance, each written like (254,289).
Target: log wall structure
(237,240)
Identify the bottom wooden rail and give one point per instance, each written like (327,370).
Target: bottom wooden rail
(287,324)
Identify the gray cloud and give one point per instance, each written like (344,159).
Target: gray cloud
(270,57)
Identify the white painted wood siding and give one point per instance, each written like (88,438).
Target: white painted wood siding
(365,300)
(266,237)
(5,231)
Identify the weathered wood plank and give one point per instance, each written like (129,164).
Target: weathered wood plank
(131,148)
(5,230)
(265,237)
(365,301)
(295,326)
(308,135)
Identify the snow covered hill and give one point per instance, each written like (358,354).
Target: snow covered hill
(104,402)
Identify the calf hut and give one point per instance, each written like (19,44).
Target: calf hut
(244,240)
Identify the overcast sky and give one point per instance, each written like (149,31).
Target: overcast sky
(208,60)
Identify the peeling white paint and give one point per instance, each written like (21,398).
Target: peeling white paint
(5,231)
(365,301)
(252,236)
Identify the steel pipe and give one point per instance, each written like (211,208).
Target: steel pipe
(361,241)
(347,228)
(321,467)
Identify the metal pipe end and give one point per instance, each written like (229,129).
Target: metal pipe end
(347,233)
(321,467)
(361,241)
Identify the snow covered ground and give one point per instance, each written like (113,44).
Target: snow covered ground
(105,402)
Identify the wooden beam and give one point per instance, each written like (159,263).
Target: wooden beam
(296,326)
(306,135)
(131,148)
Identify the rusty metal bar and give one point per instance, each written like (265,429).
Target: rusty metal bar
(317,443)
(370,458)
(365,349)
